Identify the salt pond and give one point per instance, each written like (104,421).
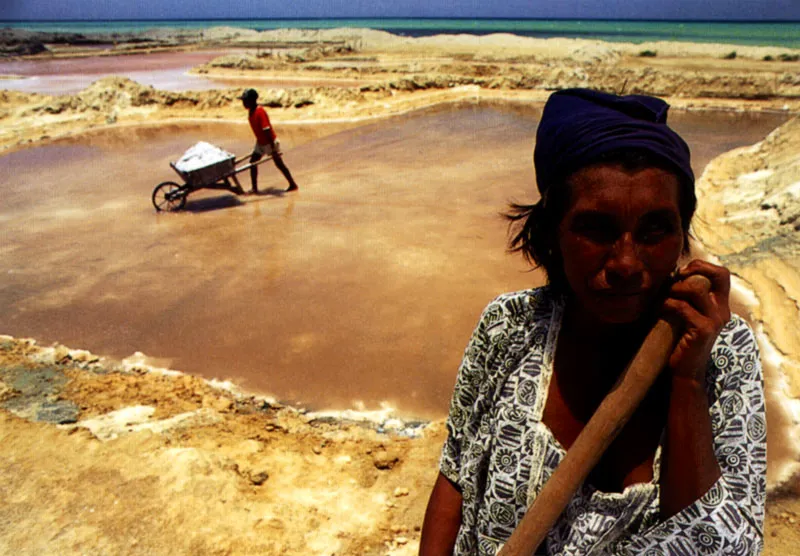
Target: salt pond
(364,286)
(167,71)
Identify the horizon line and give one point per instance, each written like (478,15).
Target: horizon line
(643,20)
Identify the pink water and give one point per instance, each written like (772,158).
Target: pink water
(365,285)
(162,70)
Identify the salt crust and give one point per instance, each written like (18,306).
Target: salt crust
(133,419)
(137,418)
(201,155)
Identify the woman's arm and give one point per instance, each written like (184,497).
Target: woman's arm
(688,464)
(442,519)
(729,517)
(713,464)
(472,397)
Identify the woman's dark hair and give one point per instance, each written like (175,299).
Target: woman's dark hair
(533,229)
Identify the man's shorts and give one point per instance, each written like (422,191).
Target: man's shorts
(266,149)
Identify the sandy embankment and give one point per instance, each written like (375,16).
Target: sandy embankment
(215,472)
(165,463)
(749,217)
(401,74)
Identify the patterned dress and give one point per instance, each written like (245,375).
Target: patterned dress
(500,453)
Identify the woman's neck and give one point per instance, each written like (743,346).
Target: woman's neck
(580,325)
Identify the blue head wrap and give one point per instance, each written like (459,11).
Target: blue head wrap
(580,125)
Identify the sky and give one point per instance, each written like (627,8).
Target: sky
(784,10)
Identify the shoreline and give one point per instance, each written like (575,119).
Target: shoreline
(738,32)
(112,443)
(107,115)
(747,220)
(385,420)
(398,74)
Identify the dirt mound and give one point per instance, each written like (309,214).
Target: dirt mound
(104,94)
(145,454)
(118,94)
(756,191)
(238,61)
(21,48)
(21,42)
(592,65)
(362,37)
(749,216)
(611,79)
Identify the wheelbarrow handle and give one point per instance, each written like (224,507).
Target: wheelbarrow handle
(256,163)
(247,156)
(607,421)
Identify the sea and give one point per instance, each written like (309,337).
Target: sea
(775,33)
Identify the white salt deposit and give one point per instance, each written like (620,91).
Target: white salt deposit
(789,193)
(201,155)
(384,419)
(139,362)
(776,387)
(759,175)
(137,418)
(787,468)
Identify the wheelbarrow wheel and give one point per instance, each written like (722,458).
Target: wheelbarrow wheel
(168,196)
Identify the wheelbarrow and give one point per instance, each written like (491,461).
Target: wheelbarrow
(220,173)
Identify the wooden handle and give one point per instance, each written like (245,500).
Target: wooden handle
(251,164)
(611,415)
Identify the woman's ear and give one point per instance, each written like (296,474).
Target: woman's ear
(694,251)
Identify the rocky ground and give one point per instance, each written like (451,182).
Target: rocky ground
(103,457)
(113,457)
(110,458)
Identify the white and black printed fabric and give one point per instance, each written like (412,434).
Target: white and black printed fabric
(500,453)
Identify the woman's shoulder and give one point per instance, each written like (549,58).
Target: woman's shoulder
(737,335)
(530,298)
(734,366)
(520,308)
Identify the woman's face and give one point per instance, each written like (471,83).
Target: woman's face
(620,239)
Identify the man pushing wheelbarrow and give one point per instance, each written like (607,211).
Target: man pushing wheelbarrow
(266,140)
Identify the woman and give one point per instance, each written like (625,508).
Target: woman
(687,473)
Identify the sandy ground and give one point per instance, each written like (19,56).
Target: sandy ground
(189,469)
(208,471)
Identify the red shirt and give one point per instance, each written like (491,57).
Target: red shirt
(258,122)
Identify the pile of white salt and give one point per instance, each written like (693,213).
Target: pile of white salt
(200,156)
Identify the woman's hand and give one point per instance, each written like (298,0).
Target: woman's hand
(702,314)
(689,466)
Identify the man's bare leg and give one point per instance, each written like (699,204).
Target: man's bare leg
(254,173)
(285,171)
